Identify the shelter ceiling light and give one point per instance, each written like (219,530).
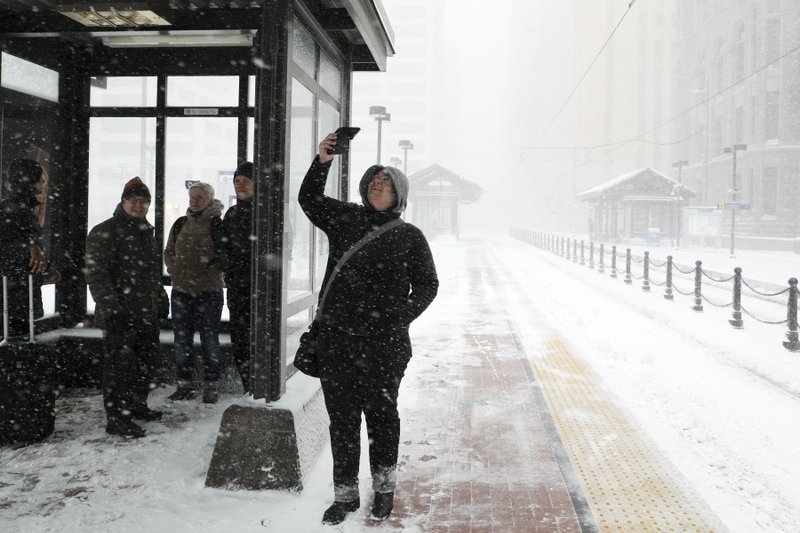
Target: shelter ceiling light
(177,40)
(113,15)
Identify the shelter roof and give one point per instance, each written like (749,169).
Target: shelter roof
(358,27)
(643,183)
(437,180)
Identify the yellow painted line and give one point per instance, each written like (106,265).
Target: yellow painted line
(627,482)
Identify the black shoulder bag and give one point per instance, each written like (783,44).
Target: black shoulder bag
(305,360)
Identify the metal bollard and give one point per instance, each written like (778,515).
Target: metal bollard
(601,267)
(736,321)
(582,262)
(668,290)
(561,250)
(628,279)
(591,254)
(568,245)
(646,272)
(793,344)
(698,280)
(613,261)
(575,250)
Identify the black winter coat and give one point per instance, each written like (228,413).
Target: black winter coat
(123,270)
(384,286)
(238,226)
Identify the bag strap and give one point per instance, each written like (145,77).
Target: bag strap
(349,253)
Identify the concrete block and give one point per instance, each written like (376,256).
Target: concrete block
(270,446)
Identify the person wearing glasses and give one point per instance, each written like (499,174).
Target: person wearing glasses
(363,343)
(123,270)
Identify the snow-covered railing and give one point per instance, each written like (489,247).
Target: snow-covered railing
(578,251)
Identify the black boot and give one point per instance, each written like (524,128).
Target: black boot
(382,505)
(145,413)
(338,510)
(125,428)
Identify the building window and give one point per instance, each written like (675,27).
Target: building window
(769,190)
(771,115)
(772,40)
(738,133)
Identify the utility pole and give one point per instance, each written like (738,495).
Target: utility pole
(679,200)
(728,150)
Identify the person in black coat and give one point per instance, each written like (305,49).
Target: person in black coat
(363,343)
(123,270)
(238,246)
(21,241)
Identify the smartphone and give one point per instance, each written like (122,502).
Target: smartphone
(343,136)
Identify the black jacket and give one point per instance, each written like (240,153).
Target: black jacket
(238,226)
(123,270)
(388,283)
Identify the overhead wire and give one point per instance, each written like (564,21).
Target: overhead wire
(585,73)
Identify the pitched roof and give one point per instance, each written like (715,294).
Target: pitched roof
(436,179)
(642,183)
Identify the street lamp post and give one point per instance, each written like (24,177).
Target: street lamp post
(406,146)
(378,112)
(679,165)
(395,162)
(732,150)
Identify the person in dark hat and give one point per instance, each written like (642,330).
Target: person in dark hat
(123,270)
(21,240)
(237,245)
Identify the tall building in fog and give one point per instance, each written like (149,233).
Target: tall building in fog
(737,82)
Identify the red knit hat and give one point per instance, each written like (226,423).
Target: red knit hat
(135,187)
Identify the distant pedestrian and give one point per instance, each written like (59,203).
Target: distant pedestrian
(23,191)
(123,271)
(238,246)
(363,342)
(193,256)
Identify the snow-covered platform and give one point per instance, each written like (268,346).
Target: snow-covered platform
(542,397)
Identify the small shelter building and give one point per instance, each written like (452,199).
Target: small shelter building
(435,196)
(644,204)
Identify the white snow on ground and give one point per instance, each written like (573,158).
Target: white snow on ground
(722,404)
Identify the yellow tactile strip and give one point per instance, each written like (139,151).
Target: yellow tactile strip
(628,484)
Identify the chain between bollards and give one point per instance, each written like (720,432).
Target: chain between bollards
(736,321)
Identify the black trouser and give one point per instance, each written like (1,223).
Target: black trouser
(362,375)
(239,309)
(132,351)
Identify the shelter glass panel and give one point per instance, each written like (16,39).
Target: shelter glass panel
(330,77)
(119,149)
(203,91)
(197,149)
(26,77)
(298,225)
(124,91)
(304,49)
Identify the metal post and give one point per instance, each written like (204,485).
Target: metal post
(613,261)
(698,280)
(568,246)
(582,261)
(591,254)
(793,344)
(628,279)
(646,272)
(733,198)
(736,321)
(575,250)
(380,128)
(668,292)
(601,267)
